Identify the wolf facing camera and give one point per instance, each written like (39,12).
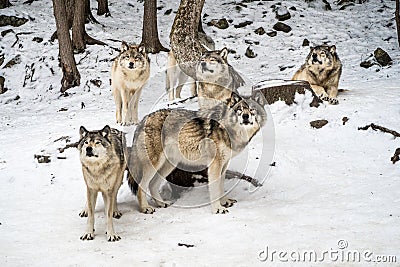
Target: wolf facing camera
(129,74)
(103,165)
(322,70)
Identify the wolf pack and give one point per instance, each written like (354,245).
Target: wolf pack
(177,138)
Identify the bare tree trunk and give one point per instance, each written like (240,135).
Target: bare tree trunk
(184,35)
(102,8)
(88,13)
(78,27)
(398,19)
(150,30)
(71,76)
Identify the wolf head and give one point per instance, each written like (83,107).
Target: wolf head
(250,111)
(247,112)
(322,57)
(213,66)
(133,57)
(94,145)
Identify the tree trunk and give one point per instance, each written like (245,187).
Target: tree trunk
(4,3)
(150,30)
(78,27)
(71,76)
(184,35)
(88,13)
(102,8)
(397,15)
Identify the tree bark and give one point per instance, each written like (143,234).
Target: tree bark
(397,15)
(88,13)
(102,8)
(78,27)
(184,36)
(71,76)
(150,30)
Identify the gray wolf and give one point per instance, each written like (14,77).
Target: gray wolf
(192,140)
(176,77)
(129,73)
(103,165)
(322,70)
(216,78)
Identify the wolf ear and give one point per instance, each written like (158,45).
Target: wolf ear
(224,53)
(258,96)
(105,132)
(332,49)
(82,132)
(124,46)
(142,49)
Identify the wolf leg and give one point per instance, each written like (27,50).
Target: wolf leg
(91,203)
(125,97)
(182,79)
(225,201)
(214,187)
(332,92)
(156,182)
(319,91)
(193,86)
(118,105)
(108,210)
(170,79)
(134,107)
(147,175)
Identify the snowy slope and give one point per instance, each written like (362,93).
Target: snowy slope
(329,184)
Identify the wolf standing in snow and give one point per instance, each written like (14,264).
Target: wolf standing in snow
(322,70)
(130,72)
(103,166)
(216,78)
(176,77)
(192,140)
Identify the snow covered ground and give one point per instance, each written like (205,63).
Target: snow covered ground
(332,191)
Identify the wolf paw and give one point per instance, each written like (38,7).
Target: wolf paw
(333,101)
(83,213)
(117,214)
(163,204)
(87,236)
(228,202)
(147,210)
(113,237)
(221,211)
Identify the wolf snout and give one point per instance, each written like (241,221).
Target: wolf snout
(89,151)
(246,118)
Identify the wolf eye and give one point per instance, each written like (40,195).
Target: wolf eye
(98,143)
(137,58)
(86,142)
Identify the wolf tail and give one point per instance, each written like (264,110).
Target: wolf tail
(134,171)
(133,185)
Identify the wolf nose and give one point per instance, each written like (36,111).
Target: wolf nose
(245,117)
(131,65)
(89,150)
(315,57)
(203,64)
